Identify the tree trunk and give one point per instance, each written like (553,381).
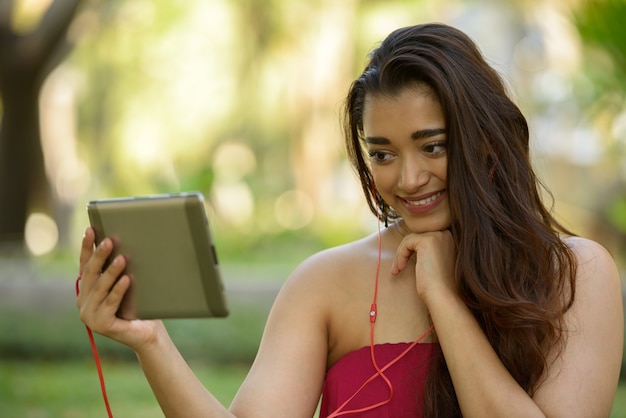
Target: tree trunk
(25,62)
(23,183)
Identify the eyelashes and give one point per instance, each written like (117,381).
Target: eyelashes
(436,148)
(378,156)
(432,149)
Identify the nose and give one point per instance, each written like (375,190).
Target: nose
(413,175)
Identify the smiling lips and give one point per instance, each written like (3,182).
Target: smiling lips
(424,204)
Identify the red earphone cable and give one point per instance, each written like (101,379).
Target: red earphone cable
(338,411)
(373,319)
(96,356)
(379,371)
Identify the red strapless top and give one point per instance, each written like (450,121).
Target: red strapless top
(407,376)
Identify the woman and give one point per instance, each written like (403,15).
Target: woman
(526,322)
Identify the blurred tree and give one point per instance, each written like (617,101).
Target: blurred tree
(129,62)
(25,61)
(600,24)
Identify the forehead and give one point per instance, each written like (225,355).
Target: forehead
(411,109)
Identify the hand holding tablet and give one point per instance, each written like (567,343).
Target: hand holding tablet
(170,255)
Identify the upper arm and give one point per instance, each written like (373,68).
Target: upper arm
(583,379)
(288,373)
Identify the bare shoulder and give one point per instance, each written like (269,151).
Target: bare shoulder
(345,252)
(595,263)
(586,247)
(598,283)
(325,279)
(583,379)
(295,342)
(327,266)
(334,283)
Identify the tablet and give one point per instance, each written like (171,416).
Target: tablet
(170,255)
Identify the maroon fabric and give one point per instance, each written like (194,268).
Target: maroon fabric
(407,376)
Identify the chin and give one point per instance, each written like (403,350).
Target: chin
(422,226)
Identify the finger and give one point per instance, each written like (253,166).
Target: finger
(403,254)
(95,287)
(114,297)
(94,263)
(100,316)
(87,248)
(395,270)
(106,281)
(94,276)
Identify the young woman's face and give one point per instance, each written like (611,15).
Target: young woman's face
(407,146)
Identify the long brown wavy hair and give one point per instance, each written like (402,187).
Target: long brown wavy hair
(512,269)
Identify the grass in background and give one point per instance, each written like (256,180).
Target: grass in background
(70,389)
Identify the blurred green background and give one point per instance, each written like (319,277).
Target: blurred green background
(240,99)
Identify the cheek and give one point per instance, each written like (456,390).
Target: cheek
(441,171)
(384,179)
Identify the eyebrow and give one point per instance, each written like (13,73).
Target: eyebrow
(421,134)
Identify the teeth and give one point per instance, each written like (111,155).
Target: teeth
(423,201)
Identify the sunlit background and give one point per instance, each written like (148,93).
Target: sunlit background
(241,100)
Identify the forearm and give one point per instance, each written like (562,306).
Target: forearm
(175,386)
(483,386)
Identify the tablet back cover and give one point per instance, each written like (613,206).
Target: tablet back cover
(170,255)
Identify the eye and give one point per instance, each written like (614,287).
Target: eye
(435,148)
(378,156)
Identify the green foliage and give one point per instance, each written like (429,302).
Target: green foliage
(40,335)
(255,248)
(600,24)
(616,212)
(233,340)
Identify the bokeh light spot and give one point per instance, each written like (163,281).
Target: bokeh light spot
(41,234)
(293,209)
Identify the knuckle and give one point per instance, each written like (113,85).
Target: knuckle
(82,315)
(100,249)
